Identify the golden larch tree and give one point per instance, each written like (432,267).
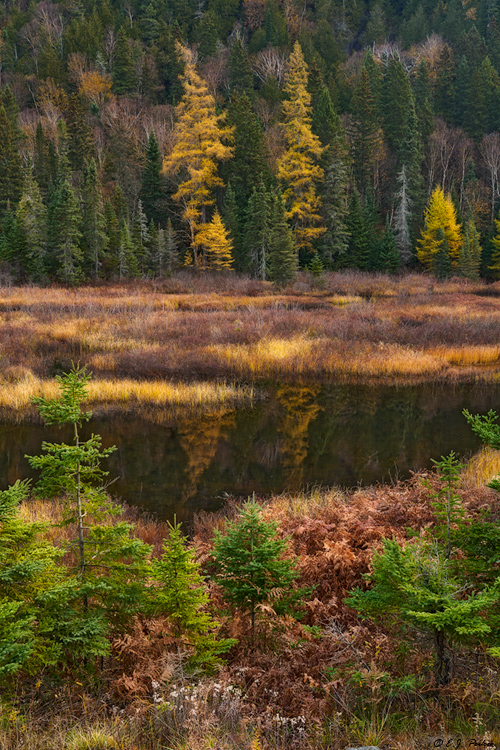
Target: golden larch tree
(439,214)
(217,244)
(200,142)
(297,168)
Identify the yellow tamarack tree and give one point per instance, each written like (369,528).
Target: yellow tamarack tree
(439,215)
(297,168)
(200,142)
(217,245)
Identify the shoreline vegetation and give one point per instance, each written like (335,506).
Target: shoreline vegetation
(324,683)
(199,341)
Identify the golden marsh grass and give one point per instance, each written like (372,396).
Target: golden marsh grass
(188,329)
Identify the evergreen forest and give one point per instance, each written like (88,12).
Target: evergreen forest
(262,136)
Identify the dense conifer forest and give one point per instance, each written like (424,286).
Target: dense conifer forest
(261,136)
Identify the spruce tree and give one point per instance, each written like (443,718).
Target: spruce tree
(181,595)
(95,239)
(32,222)
(250,567)
(283,264)
(126,262)
(28,576)
(396,95)
(256,236)
(365,132)
(108,587)
(469,261)
(124,78)
(64,220)
(445,93)
(250,164)
(166,258)
(361,243)
(388,258)
(80,136)
(240,70)
(233,222)
(11,178)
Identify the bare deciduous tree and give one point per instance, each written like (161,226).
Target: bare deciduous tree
(490,151)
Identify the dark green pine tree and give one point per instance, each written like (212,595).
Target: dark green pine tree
(250,564)
(240,71)
(80,136)
(152,189)
(463,85)
(410,157)
(493,37)
(325,122)
(233,223)
(387,251)
(95,239)
(9,102)
(249,165)
(445,93)
(283,263)
(472,45)
(124,76)
(256,238)
(169,66)
(454,21)
(11,177)
(396,95)
(416,28)
(110,263)
(364,131)
(32,223)
(119,204)
(171,250)
(375,74)
(181,596)
(207,34)
(65,255)
(423,100)
(11,244)
(334,243)
(360,241)
(127,266)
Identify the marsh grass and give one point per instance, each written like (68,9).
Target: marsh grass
(129,395)
(360,327)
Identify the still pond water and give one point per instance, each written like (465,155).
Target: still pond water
(298,436)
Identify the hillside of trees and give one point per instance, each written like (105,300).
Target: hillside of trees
(138,137)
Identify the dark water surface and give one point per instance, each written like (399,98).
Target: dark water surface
(299,436)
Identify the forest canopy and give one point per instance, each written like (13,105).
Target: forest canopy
(262,136)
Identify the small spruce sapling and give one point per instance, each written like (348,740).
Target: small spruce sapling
(421,585)
(110,577)
(181,595)
(251,567)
